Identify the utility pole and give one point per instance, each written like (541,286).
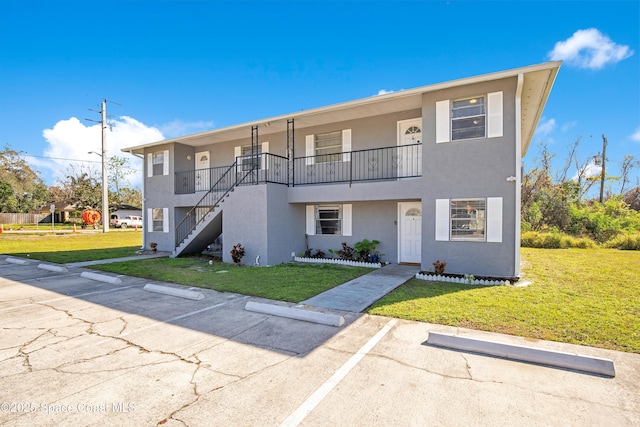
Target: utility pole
(604,162)
(105,186)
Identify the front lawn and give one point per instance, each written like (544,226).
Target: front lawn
(580,296)
(284,282)
(71,247)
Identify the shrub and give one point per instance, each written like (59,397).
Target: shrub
(237,253)
(555,240)
(438,266)
(630,241)
(346,253)
(364,248)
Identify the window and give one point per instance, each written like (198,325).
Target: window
(158,219)
(251,157)
(328,147)
(468,118)
(158,163)
(329,219)
(468,219)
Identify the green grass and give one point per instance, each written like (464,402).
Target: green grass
(580,296)
(284,282)
(71,247)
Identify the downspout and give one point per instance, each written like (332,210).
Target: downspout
(518,165)
(144,213)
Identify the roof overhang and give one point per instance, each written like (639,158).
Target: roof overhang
(537,83)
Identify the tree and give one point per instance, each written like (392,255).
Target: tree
(118,169)
(81,186)
(21,187)
(628,163)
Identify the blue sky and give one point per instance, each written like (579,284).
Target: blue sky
(179,67)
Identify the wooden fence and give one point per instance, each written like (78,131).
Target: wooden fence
(25,218)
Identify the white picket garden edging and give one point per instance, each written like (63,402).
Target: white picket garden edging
(463,280)
(338,261)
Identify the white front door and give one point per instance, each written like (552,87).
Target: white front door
(203,183)
(409,156)
(410,232)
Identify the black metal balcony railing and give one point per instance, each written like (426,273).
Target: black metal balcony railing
(404,161)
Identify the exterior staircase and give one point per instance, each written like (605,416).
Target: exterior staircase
(203,222)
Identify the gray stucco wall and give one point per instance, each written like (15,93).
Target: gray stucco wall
(374,220)
(473,168)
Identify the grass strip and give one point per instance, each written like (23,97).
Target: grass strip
(285,282)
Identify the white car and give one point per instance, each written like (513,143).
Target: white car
(127,221)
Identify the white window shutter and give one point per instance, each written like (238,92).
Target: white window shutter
(149,220)
(165,220)
(443,121)
(494,115)
(311,220)
(310,149)
(442,220)
(347,220)
(165,163)
(494,219)
(346,145)
(237,152)
(149,165)
(265,158)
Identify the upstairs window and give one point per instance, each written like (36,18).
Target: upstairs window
(328,147)
(158,163)
(468,118)
(251,157)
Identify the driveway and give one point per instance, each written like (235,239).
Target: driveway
(76,351)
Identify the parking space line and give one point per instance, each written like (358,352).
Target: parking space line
(68,297)
(314,400)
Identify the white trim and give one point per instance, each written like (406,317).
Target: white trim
(347,220)
(165,163)
(494,219)
(518,171)
(443,122)
(165,220)
(150,220)
(237,152)
(311,220)
(443,226)
(149,165)
(310,149)
(346,145)
(494,115)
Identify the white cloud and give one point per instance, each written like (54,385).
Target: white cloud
(589,49)
(589,170)
(545,128)
(636,135)
(384,92)
(179,128)
(71,139)
(567,126)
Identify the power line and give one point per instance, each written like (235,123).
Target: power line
(57,158)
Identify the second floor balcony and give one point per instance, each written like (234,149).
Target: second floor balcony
(388,163)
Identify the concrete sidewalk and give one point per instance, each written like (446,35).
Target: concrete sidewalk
(360,293)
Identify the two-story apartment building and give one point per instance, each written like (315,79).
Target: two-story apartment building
(433,173)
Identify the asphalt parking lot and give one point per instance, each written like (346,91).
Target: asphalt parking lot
(77,351)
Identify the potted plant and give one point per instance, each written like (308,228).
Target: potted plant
(153,246)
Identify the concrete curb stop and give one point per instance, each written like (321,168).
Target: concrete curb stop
(101,277)
(588,364)
(16,260)
(56,268)
(296,313)
(175,292)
